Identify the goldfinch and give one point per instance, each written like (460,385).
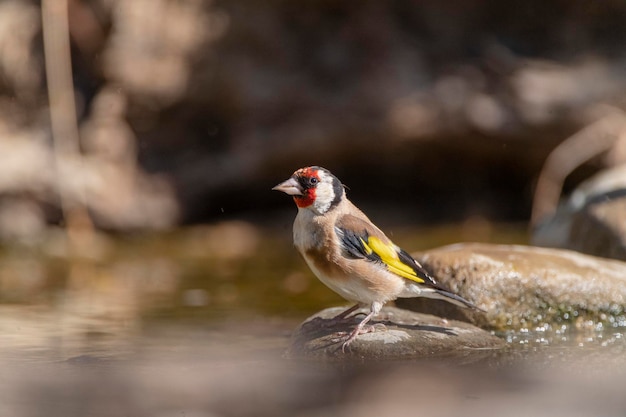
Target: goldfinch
(349,254)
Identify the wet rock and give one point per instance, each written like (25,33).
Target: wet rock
(400,334)
(524,286)
(592,220)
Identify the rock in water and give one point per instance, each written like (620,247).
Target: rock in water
(400,334)
(524,286)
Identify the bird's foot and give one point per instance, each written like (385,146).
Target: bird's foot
(349,337)
(362,327)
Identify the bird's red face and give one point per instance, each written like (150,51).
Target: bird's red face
(313,187)
(308,178)
(302,186)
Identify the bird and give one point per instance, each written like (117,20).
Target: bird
(350,254)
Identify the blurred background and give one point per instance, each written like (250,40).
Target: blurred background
(189,111)
(139,141)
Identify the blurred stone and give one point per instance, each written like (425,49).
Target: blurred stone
(119,193)
(484,112)
(20,67)
(149,53)
(526,287)
(107,179)
(592,220)
(410,117)
(106,133)
(405,335)
(21,220)
(546,89)
(16,147)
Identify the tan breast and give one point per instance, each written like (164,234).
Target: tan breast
(356,280)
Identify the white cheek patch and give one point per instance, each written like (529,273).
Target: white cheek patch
(324,196)
(324,193)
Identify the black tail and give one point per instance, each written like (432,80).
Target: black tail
(454,299)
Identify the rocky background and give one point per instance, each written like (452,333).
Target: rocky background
(190,111)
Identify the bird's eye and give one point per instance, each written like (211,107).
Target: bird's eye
(313,180)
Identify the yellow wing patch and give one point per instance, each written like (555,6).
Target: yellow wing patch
(389,256)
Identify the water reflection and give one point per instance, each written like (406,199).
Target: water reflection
(196,323)
(223,281)
(102,302)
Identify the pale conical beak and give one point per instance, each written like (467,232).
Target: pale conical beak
(291,187)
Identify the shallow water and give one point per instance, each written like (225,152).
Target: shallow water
(119,290)
(233,280)
(183,321)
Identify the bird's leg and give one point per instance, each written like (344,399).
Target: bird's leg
(361,328)
(344,314)
(332,323)
(358,330)
(339,319)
